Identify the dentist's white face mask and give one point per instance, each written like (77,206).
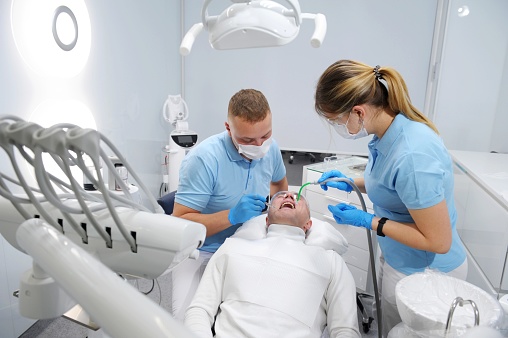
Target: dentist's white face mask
(255,152)
(342,130)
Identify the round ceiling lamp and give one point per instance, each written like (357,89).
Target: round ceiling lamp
(52,36)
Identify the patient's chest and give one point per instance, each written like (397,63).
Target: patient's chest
(279,274)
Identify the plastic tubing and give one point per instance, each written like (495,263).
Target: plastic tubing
(300,191)
(335,179)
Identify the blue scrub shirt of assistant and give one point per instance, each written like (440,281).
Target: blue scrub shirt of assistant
(410,168)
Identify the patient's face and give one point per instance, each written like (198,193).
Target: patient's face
(285,209)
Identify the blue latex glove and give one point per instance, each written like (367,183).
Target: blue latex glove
(249,206)
(339,185)
(347,214)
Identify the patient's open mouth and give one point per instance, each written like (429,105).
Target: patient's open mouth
(287,205)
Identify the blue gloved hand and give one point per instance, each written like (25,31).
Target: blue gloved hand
(347,214)
(339,185)
(249,206)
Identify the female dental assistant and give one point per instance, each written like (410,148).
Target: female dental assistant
(408,178)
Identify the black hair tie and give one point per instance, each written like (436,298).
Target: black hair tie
(377,73)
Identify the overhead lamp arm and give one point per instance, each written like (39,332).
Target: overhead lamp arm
(189,38)
(320,28)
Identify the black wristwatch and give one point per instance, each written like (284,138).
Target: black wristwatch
(380,226)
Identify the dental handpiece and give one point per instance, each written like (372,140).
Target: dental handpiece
(331,179)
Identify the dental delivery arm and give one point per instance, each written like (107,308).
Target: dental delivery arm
(81,240)
(119,308)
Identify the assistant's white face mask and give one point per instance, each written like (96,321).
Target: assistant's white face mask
(255,152)
(342,130)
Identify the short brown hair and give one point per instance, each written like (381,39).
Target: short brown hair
(249,105)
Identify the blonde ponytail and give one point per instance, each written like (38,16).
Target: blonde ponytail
(347,83)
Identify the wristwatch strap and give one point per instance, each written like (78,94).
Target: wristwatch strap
(380,226)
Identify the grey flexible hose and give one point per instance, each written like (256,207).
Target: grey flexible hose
(371,254)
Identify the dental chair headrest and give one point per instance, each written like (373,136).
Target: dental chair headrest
(321,234)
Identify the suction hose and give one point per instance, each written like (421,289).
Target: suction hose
(369,239)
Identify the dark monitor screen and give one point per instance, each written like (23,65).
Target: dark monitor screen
(185,141)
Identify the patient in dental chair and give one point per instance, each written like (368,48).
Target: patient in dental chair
(275,286)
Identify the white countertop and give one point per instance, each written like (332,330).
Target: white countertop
(489,170)
(351,166)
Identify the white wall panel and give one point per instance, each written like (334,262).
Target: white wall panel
(394,33)
(471,104)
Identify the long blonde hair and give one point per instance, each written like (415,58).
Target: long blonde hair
(347,83)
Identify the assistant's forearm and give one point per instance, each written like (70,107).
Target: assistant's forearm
(360,183)
(410,235)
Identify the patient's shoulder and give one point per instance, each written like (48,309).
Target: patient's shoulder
(253,229)
(321,234)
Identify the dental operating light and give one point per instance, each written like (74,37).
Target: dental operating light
(253,24)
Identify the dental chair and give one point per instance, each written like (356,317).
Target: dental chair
(321,234)
(167,202)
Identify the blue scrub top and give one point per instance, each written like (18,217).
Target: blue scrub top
(410,168)
(214,176)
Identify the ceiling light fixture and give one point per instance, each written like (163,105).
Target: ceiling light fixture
(252,24)
(63,29)
(46,35)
